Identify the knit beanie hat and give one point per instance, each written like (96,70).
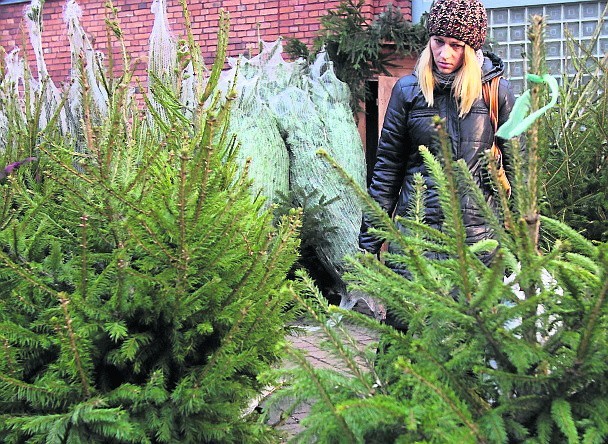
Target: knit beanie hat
(464,20)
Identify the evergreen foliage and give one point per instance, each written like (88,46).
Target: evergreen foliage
(575,162)
(484,359)
(143,290)
(357,46)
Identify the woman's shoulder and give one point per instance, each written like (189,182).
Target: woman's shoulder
(407,85)
(408,80)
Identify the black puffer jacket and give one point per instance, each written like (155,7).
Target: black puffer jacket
(408,124)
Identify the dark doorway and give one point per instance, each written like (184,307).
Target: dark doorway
(371,127)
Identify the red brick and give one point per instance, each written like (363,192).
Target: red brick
(271,19)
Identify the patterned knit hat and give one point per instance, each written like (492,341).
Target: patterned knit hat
(464,20)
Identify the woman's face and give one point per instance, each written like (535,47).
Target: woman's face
(448,53)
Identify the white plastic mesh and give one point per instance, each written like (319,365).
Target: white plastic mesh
(261,146)
(45,85)
(9,92)
(331,97)
(311,111)
(86,66)
(82,52)
(162,53)
(188,90)
(14,74)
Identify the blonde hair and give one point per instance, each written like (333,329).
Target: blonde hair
(467,84)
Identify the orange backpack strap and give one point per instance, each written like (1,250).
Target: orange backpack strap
(490,96)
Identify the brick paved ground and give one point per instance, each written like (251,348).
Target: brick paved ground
(308,341)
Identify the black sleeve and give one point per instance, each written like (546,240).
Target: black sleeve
(390,165)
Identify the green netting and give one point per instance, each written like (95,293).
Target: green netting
(305,134)
(261,146)
(331,98)
(310,108)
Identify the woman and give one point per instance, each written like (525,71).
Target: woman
(447,82)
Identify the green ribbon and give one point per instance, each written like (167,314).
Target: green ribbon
(518,122)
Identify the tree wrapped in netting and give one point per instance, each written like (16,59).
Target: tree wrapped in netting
(87,71)
(484,358)
(289,108)
(262,150)
(335,208)
(143,290)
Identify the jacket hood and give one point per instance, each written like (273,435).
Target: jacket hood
(492,67)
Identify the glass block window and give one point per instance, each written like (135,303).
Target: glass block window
(508,35)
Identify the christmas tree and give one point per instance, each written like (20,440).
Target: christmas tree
(515,352)
(143,289)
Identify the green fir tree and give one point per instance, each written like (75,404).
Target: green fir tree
(143,289)
(484,359)
(575,161)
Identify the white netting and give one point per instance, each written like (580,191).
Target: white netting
(331,97)
(188,91)
(45,85)
(14,74)
(311,111)
(261,146)
(9,92)
(87,63)
(338,223)
(162,53)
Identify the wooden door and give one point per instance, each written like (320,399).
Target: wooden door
(385,86)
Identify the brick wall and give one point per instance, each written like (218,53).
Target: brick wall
(249,18)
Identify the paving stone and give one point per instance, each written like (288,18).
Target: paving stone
(308,341)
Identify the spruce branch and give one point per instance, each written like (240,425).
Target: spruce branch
(489,215)
(84,265)
(377,214)
(531,217)
(218,64)
(324,394)
(154,237)
(27,274)
(571,236)
(452,211)
(91,180)
(472,398)
(562,415)
(226,342)
(593,318)
(193,48)
(460,412)
(8,357)
(337,344)
(182,242)
(84,380)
